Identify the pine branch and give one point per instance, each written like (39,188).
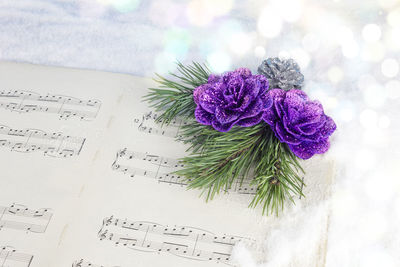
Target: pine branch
(276,175)
(175,98)
(219,159)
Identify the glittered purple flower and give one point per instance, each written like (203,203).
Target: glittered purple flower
(234,98)
(299,122)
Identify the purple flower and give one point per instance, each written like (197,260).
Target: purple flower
(234,98)
(299,122)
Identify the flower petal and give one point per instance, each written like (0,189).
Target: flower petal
(250,121)
(287,124)
(255,108)
(294,114)
(307,129)
(243,72)
(285,136)
(277,94)
(225,116)
(268,101)
(209,99)
(242,104)
(251,88)
(269,116)
(279,109)
(296,99)
(222,127)
(203,116)
(328,128)
(214,78)
(306,150)
(198,92)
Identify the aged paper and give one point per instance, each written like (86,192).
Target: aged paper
(85,179)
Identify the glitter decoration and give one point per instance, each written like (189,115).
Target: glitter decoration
(299,122)
(234,98)
(284,74)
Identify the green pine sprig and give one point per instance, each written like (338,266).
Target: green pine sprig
(218,159)
(277,175)
(175,98)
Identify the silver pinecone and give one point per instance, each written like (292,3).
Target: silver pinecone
(284,74)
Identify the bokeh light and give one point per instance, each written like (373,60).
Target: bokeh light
(203,12)
(228,28)
(365,80)
(350,49)
(393,18)
(374,95)
(164,63)
(373,52)
(393,38)
(346,114)
(269,23)
(301,56)
(369,118)
(240,43)
(335,74)
(291,14)
(311,42)
(387,4)
(219,61)
(390,67)
(121,5)
(393,89)
(384,122)
(259,51)
(342,34)
(284,54)
(371,33)
(177,42)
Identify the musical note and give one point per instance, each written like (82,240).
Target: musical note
(11,257)
(162,169)
(19,217)
(31,140)
(148,124)
(157,160)
(65,106)
(83,263)
(183,241)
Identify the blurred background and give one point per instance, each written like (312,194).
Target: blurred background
(347,50)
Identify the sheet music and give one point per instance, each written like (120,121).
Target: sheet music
(84,263)
(51,129)
(64,106)
(19,217)
(162,169)
(31,140)
(181,241)
(92,160)
(9,256)
(147,124)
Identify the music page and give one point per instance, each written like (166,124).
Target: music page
(86,179)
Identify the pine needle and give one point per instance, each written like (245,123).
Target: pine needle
(218,159)
(175,98)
